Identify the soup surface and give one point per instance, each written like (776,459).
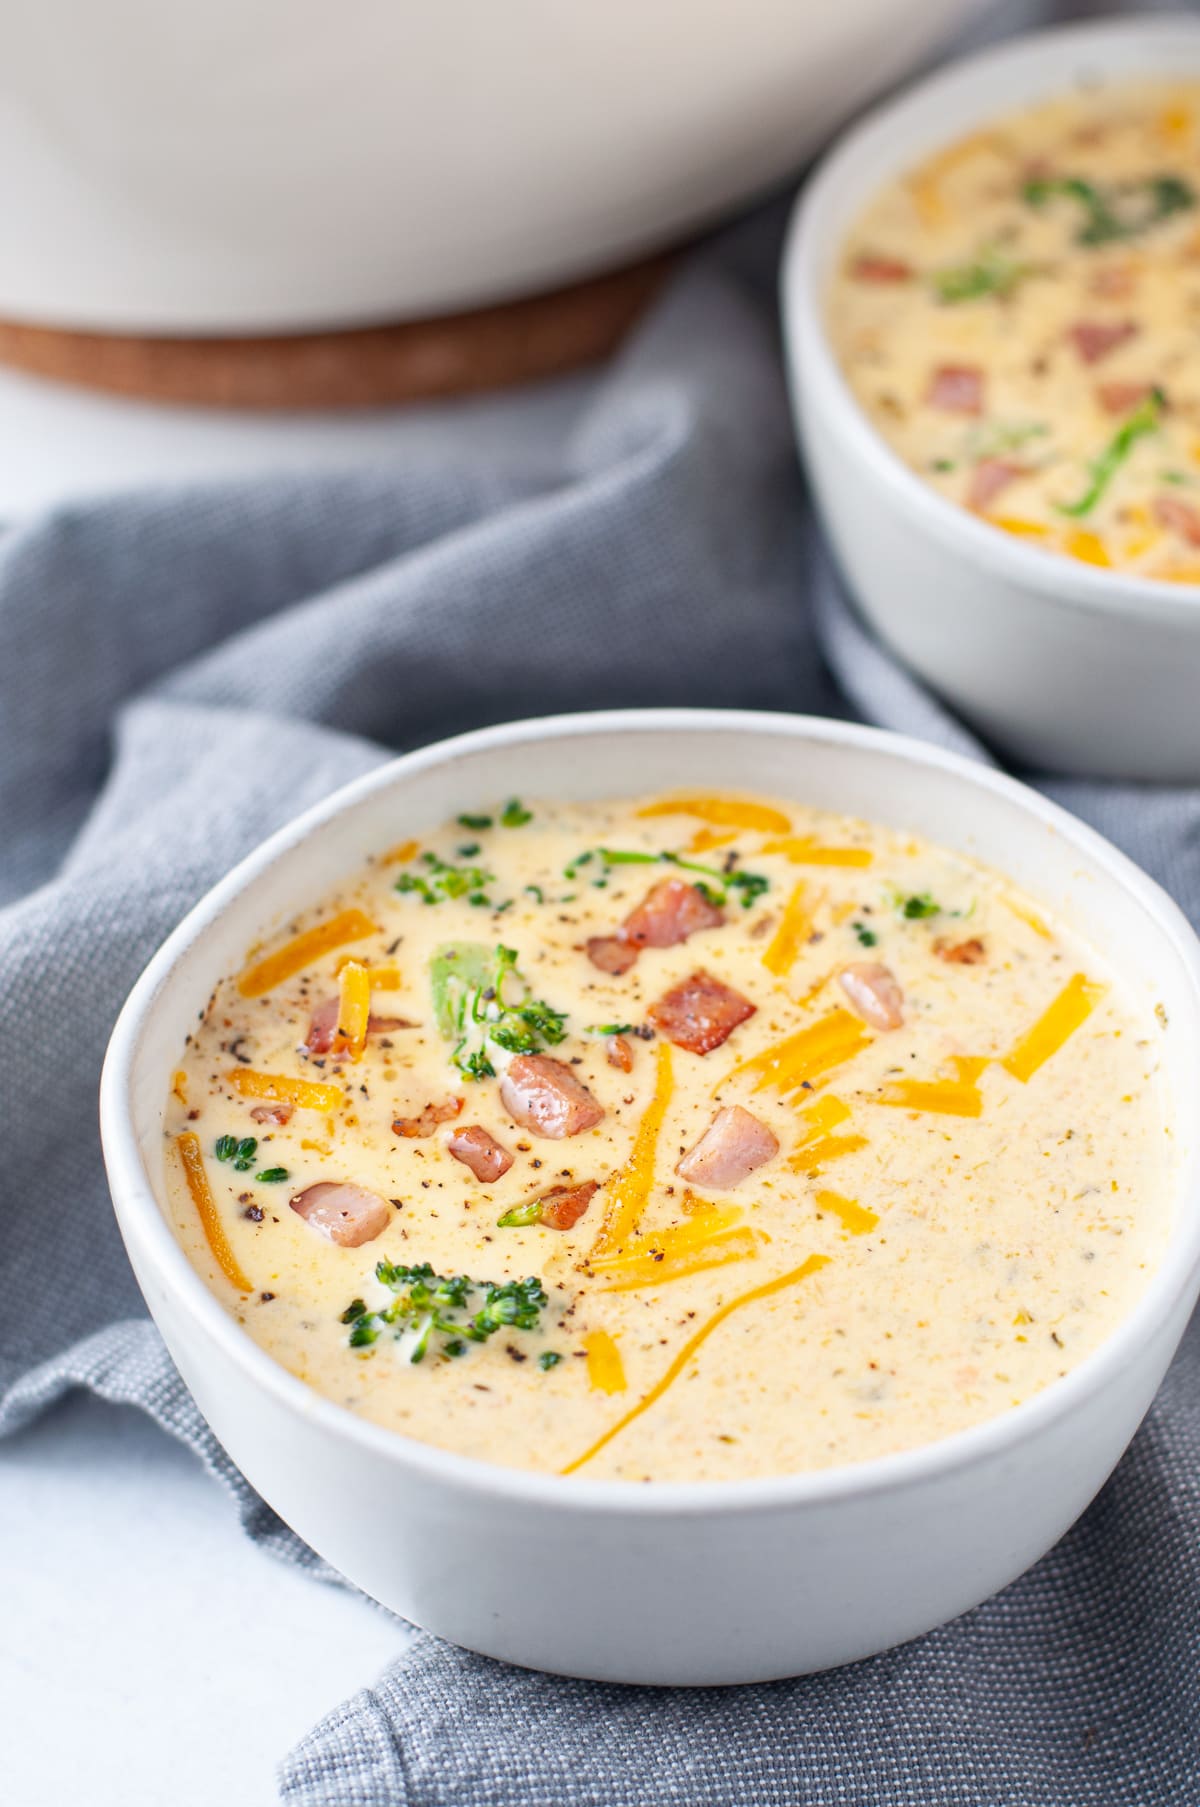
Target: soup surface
(684,1138)
(1019,315)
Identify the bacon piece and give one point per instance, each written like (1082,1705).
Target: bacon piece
(619,1053)
(279,1114)
(347,1214)
(961,953)
(990,476)
(1095,339)
(874,993)
(670,911)
(428,1119)
(700,1013)
(563,1206)
(611,954)
(479,1151)
(1122,398)
(1178,516)
(956,389)
(732,1146)
(544,1095)
(874,266)
(322,1028)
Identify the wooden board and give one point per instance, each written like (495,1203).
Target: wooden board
(418,360)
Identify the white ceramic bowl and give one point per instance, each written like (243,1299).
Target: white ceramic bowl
(672,1583)
(280,165)
(1067,667)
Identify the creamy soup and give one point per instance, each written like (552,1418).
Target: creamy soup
(692,1138)
(1019,316)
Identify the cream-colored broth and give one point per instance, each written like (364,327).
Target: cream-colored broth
(996,1250)
(961,266)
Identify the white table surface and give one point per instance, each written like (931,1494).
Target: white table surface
(150,1655)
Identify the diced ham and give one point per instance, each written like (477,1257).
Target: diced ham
(961,953)
(543,1095)
(611,954)
(732,1146)
(428,1119)
(670,911)
(279,1114)
(700,1013)
(989,478)
(1178,516)
(347,1214)
(1095,339)
(563,1206)
(873,991)
(873,266)
(619,1053)
(479,1151)
(1122,398)
(956,389)
(322,1028)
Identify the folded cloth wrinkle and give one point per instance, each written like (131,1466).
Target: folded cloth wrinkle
(186,671)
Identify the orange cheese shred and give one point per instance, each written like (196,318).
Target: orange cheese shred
(817,1145)
(706,839)
(303,950)
(1030,918)
(192,1160)
(1087,546)
(1073,1005)
(856,1218)
(605,1369)
(387,977)
(957,1097)
(632,1273)
(354,1007)
(694,1343)
(305,1094)
(806,850)
(723,812)
(707,1238)
(795,927)
(401,854)
(828,1042)
(629,1190)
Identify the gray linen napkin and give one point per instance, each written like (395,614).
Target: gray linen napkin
(181,674)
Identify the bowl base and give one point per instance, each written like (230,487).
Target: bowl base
(405,361)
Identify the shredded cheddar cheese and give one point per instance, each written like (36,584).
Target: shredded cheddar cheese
(192,1160)
(629,1190)
(1072,1007)
(306,1094)
(354,1008)
(304,950)
(606,1370)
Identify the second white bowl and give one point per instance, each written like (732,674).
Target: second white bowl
(1065,667)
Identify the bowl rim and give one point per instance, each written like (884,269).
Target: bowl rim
(137,1207)
(820,218)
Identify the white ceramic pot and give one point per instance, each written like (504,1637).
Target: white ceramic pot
(279,165)
(1065,666)
(670,1583)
